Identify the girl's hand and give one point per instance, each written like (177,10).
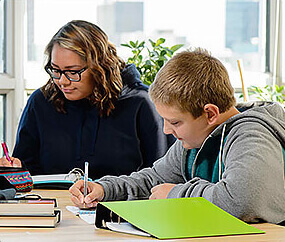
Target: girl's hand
(15,162)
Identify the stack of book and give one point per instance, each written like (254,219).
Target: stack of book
(29,213)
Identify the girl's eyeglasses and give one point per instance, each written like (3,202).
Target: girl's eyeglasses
(71,75)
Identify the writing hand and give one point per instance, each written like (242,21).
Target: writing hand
(95,194)
(15,162)
(161,191)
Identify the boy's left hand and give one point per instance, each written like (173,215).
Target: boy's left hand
(161,191)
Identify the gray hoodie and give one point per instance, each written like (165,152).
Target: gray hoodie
(251,184)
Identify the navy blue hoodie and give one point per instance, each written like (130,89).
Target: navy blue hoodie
(131,138)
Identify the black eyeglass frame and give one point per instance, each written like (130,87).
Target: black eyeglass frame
(79,72)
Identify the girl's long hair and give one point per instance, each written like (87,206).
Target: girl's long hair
(91,43)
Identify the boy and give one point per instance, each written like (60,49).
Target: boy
(232,156)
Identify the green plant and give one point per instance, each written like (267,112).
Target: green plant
(268,93)
(150,63)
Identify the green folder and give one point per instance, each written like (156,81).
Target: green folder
(174,218)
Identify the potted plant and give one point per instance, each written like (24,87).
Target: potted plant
(149,60)
(273,93)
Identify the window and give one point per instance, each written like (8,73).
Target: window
(2,36)
(11,78)
(230,29)
(2,68)
(245,39)
(2,116)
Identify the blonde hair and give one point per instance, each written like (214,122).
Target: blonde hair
(192,79)
(92,45)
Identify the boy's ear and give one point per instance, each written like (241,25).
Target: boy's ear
(212,113)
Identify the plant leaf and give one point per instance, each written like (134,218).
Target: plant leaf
(126,45)
(159,41)
(175,47)
(132,44)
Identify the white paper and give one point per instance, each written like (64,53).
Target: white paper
(88,218)
(73,209)
(57,177)
(125,227)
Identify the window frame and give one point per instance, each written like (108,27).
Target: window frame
(11,81)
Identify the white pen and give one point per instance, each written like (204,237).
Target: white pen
(85,178)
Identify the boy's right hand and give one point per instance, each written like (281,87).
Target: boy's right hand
(94,190)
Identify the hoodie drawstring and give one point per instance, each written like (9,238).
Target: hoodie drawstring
(219,156)
(220,152)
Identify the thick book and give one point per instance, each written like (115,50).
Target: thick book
(27,207)
(46,221)
(170,218)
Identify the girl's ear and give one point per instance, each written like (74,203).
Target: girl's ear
(212,113)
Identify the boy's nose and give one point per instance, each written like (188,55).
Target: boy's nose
(167,129)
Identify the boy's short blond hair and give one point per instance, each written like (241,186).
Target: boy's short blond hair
(192,79)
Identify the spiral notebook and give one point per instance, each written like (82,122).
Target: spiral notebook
(88,215)
(58,181)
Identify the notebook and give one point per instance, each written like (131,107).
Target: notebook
(87,215)
(57,181)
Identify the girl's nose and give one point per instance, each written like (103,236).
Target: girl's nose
(63,80)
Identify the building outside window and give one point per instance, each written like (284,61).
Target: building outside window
(230,29)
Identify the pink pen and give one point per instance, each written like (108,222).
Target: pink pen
(5,149)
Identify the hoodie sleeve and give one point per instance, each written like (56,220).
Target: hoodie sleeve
(27,142)
(252,185)
(138,184)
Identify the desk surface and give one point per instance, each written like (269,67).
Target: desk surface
(72,228)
